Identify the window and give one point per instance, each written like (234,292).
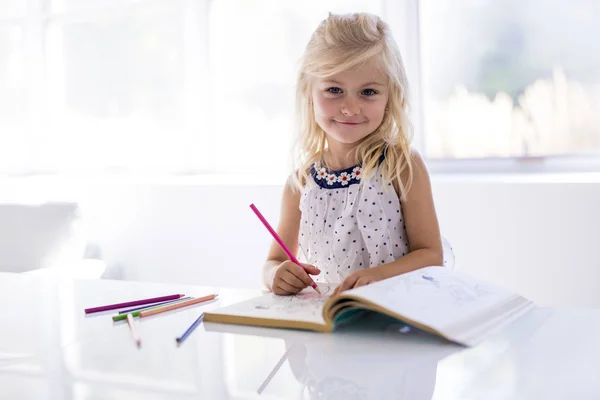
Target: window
(13,95)
(116,90)
(254,51)
(101,86)
(207,86)
(141,86)
(12,8)
(515,78)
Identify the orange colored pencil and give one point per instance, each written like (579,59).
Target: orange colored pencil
(175,306)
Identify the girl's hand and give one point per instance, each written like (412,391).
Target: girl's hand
(359,278)
(290,278)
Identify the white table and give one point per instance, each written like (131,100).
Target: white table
(49,349)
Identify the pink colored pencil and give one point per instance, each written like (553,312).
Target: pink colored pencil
(280,242)
(133,303)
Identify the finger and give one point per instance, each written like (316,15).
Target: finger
(301,274)
(363,281)
(336,290)
(311,269)
(292,280)
(286,288)
(348,283)
(279,291)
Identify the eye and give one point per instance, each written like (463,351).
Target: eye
(369,92)
(334,90)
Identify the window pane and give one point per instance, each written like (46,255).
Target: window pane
(253,77)
(510,78)
(13,92)
(115,91)
(67,6)
(11,72)
(12,8)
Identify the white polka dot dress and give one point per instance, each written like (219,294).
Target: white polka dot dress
(347,224)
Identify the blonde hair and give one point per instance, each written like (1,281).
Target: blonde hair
(339,43)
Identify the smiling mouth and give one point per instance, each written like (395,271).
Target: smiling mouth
(348,123)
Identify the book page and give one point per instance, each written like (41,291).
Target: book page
(439,297)
(306,306)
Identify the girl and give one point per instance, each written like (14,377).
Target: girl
(358,205)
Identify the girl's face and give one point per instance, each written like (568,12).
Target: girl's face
(350,105)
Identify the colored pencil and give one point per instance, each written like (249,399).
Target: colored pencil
(132,303)
(190,329)
(121,317)
(281,244)
(134,332)
(170,307)
(152,305)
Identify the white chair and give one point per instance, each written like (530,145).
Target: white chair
(448,253)
(46,240)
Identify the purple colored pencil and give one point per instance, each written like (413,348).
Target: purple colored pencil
(151,305)
(133,303)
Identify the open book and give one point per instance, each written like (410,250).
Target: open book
(438,300)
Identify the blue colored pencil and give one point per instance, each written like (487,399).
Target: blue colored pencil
(190,329)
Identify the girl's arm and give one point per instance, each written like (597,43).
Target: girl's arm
(422,228)
(425,243)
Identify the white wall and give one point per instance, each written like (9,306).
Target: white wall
(540,237)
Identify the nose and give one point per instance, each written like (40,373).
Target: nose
(350,107)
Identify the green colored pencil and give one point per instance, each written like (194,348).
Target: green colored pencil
(121,317)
